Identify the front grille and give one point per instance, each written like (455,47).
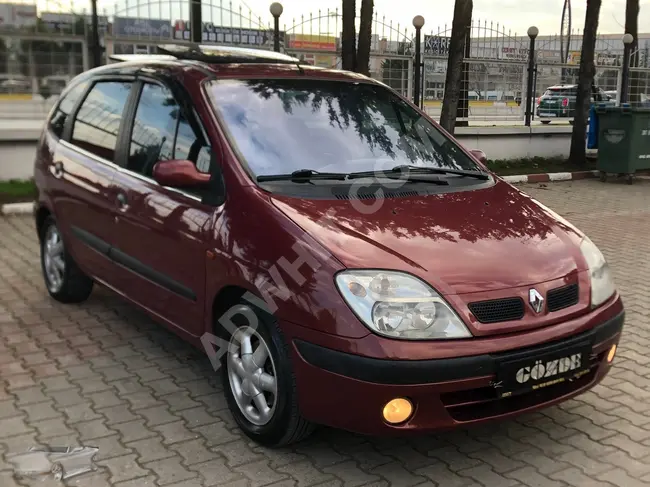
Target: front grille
(563,297)
(497,310)
(483,403)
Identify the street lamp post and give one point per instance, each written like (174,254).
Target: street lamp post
(276,10)
(532,33)
(418,23)
(628,39)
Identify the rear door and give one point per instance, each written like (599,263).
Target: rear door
(83,167)
(162,234)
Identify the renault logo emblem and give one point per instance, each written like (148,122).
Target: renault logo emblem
(536,300)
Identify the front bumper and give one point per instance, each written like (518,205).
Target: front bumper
(349,391)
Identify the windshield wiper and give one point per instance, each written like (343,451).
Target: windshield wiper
(440,170)
(303,175)
(409,169)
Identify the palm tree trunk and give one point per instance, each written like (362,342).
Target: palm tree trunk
(461,23)
(348,36)
(585,81)
(632,27)
(365,37)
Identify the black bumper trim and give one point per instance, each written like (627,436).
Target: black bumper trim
(408,372)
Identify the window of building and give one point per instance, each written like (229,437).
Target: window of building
(98,121)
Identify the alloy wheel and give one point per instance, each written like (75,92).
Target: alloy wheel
(54,259)
(252,375)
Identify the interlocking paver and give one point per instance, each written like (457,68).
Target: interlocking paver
(103,374)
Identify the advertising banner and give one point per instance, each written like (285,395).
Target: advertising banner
(17,15)
(135,27)
(312,42)
(226,35)
(59,22)
(574,57)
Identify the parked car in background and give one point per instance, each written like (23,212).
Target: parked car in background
(353,263)
(559,102)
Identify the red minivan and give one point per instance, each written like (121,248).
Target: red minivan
(341,259)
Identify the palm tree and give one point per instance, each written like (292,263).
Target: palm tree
(365,37)
(461,23)
(632,27)
(349,35)
(585,81)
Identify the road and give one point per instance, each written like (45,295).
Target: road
(103,374)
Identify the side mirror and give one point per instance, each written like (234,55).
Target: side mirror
(480,155)
(179,174)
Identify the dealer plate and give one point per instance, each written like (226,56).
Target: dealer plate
(536,372)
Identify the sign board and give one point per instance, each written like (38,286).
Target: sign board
(608,59)
(59,22)
(136,27)
(312,42)
(514,53)
(574,57)
(436,45)
(17,15)
(226,35)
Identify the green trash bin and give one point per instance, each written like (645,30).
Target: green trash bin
(623,141)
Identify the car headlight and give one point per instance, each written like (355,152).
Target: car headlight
(398,305)
(602,285)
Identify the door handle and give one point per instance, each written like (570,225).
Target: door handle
(122,202)
(58,169)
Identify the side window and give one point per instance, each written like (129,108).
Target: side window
(191,146)
(152,138)
(98,120)
(67,103)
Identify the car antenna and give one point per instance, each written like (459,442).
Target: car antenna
(302,71)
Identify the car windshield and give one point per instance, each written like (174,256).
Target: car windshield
(560,92)
(284,125)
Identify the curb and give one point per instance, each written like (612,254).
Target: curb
(548,177)
(17,208)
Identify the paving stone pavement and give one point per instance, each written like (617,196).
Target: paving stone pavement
(102,374)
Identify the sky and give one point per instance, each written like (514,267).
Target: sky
(515,15)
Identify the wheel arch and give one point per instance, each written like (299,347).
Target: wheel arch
(230,295)
(41,214)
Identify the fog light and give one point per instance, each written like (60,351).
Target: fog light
(398,410)
(610,355)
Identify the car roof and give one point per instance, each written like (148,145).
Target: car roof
(224,62)
(561,87)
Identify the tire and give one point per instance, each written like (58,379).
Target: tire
(72,286)
(546,122)
(603,176)
(285,425)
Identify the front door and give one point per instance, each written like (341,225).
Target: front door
(162,234)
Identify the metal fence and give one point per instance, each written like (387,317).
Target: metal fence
(39,57)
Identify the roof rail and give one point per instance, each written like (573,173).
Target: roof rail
(224,54)
(141,57)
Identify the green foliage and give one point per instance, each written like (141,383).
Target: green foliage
(536,165)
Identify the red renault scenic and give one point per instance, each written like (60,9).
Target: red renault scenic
(341,259)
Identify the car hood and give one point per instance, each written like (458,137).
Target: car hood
(461,242)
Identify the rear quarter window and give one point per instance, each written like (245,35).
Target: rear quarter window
(64,108)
